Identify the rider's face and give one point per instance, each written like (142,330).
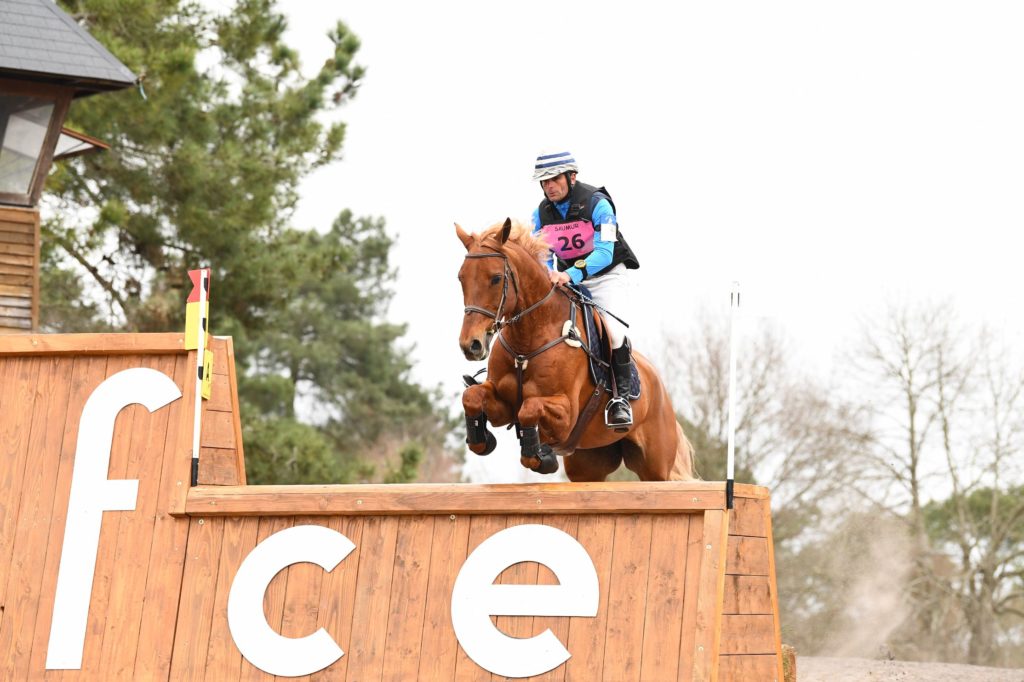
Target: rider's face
(556,189)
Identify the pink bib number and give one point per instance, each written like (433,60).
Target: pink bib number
(570,240)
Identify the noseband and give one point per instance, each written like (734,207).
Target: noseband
(498,315)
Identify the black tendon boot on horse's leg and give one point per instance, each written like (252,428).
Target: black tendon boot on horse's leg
(477,433)
(618,414)
(530,447)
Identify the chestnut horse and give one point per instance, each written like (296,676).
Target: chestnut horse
(507,292)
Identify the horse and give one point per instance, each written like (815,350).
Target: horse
(537,378)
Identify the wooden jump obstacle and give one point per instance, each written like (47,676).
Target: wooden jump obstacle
(685,588)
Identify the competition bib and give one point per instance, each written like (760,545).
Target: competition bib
(570,240)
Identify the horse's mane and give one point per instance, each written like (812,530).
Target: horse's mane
(521,235)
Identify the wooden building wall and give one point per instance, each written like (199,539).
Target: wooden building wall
(686,588)
(19,269)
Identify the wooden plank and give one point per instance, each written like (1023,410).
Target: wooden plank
(41,518)
(481,528)
(16,312)
(773,585)
(746,634)
(236,409)
(99,608)
(402,648)
(709,596)
(15,291)
(302,596)
(195,612)
(219,346)
(446,498)
(93,344)
(439,647)
(18,249)
(559,625)
(16,323)
(273,598)
(695,553)
(16,259)
(135,535)
(218,430)
(223,659)
(218,466)
(338,596)
(20,270)
(16,277)
(666,585)
(758,492)
(747,594)
(220,394)
(747,556)
(523,573)
(166,553)
(19,216)
(18,379)
(9,235)
(186,424)
(373,601)
(747,669)
(16,302)
(747,518)
(587,635)
(627,597)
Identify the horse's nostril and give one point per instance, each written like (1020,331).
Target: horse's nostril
(476,346)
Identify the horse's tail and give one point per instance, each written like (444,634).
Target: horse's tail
(682,469)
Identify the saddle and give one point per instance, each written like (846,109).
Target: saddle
(600,346)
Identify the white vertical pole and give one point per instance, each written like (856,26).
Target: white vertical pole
(204,283)
(730,462)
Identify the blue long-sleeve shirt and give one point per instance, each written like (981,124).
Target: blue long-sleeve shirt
(601,257)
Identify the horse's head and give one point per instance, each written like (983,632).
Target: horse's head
(492,277)
(485,279)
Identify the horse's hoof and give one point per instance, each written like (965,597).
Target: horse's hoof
(548,461)
(531,463)
(485,447)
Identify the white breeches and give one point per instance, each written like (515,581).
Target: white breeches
(611,290)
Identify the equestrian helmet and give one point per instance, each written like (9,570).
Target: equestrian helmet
(554,163)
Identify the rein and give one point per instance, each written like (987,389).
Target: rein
(497,316)
(522,359)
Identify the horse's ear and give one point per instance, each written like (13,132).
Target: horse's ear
(464,237)
(506,230)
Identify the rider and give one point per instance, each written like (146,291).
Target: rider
(578,222)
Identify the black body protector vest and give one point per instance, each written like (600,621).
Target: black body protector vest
(572,238)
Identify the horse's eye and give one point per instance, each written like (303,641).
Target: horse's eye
(495,279)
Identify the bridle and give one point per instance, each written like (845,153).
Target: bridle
(522,359)
(498,315)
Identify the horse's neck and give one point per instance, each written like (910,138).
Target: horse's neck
(544,322)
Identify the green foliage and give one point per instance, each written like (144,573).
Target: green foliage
(986,514)
(204,170)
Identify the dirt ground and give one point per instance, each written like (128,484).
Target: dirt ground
(815,669)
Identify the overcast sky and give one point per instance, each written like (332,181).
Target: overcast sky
(828,156)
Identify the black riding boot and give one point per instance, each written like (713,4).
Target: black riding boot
(618,414)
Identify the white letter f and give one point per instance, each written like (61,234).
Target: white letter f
(91,495)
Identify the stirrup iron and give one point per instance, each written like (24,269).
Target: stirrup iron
(621,426)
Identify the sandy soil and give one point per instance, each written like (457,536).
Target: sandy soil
(814,669)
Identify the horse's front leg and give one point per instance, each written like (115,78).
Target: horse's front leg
(481,402)
(544,420)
